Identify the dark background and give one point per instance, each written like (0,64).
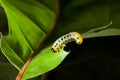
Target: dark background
(95,59)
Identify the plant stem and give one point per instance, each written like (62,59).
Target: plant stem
(19,76)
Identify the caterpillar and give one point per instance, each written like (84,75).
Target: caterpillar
(63,40)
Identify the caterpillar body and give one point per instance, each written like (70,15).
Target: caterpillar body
(63,40)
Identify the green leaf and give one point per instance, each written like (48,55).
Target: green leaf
(106,32)
(29,24)
(102,31)
(43,62)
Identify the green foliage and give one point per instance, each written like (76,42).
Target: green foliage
(10,70)
(30,22)
(44,61)
(24,34)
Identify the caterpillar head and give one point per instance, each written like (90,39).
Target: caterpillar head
(78,38)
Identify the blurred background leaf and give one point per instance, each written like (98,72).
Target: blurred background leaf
(7,71)
(84,15)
